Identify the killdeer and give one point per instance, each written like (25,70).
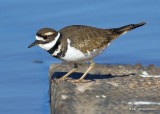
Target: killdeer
(78,43)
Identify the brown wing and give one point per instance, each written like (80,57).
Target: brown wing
(85,37)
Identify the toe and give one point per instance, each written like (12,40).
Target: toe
(81,81)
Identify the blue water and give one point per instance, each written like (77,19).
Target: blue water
(24,72)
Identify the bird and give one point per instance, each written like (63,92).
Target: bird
(78,43)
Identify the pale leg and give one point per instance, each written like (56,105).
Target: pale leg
(84,75)
(69,73)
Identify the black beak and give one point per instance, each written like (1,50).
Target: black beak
(33,44)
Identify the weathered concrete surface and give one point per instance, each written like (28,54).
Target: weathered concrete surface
(113,89)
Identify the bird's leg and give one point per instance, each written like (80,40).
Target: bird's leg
(84,75)
(69,73)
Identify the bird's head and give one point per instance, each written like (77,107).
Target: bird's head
(46,38)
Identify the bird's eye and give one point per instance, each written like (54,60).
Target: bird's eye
(45,37)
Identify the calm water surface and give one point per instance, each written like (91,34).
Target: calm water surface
(24,82)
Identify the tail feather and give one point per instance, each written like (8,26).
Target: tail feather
(129,27)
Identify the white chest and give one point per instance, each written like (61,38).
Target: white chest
(74,54)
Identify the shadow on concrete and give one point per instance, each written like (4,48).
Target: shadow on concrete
(92,77)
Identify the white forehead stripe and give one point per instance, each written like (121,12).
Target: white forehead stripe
(49,45)
(48,33)
(39,38)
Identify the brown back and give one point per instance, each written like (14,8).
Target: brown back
(87,38)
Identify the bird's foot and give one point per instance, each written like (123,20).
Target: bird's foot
(80,81)
(60,79)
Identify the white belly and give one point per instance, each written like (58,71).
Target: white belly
(74,54)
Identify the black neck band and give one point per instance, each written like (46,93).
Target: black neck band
(51,51)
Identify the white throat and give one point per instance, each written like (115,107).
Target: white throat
(49,45)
